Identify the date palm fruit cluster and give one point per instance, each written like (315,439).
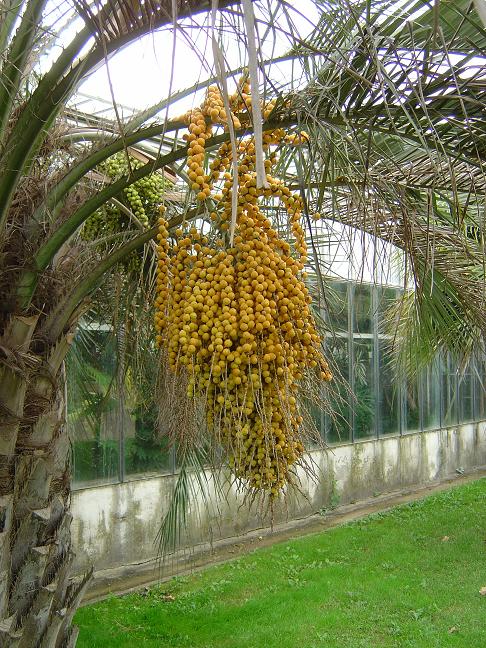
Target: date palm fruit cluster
(200,123)
(236,317)
(142,198)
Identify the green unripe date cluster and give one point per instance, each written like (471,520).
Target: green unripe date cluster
(142,198)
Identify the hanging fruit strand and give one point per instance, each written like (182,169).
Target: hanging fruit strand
(236,319)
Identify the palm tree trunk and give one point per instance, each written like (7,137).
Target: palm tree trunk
(37,597)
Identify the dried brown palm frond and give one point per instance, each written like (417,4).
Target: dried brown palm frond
(115,19)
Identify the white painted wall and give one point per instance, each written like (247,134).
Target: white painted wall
(117,524)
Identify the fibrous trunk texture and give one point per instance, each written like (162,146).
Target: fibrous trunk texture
(38,598)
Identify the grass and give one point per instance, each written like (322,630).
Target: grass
(409,577)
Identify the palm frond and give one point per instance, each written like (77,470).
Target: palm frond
(197,489)
(393,109)
(427,323)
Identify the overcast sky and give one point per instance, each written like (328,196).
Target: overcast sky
(141,73)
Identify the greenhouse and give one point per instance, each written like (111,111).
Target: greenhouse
(442,409)
(375,402)
(243,302)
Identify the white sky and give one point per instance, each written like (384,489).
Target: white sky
(141,73)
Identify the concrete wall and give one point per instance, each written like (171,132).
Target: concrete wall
(116,525)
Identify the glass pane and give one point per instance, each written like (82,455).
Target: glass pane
(363,402)
(431,397)
(362,311)
(412,407)
(386,297)
(481,388)
(389,394)
(338,429)
(466,394)
(337,303)
(92,412)
(449,396)
(146,451)
(95,448)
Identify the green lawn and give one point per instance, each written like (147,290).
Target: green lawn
(407,577)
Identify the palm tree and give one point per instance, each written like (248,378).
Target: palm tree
(396,148)
(45,282)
